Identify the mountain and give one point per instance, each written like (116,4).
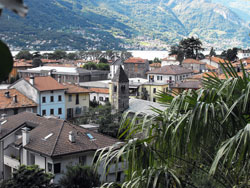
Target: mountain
(118,24)
(241,7)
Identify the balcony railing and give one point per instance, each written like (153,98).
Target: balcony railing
(11,162)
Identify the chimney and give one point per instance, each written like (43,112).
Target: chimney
(2,121)
(15,99)
(32,80)
(72,137)
(7,94)
(25,135)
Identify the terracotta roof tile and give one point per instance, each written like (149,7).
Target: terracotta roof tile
(205,74)
(155,65)
(100,90)
(135,60)
(21,64)
(8,103)
(192,61)
(218,60)
(46,83)
(188,85)
(72,88)
(170,70)
(210,67)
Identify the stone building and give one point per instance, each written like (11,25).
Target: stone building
(136,67)
(119,91)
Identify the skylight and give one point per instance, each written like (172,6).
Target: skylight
(90,136)
(4,122)
(48,136)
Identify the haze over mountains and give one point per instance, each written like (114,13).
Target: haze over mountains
(131,24)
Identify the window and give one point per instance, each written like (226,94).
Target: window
(51,111)
(77,98)
(118,177)
(51,98)
(57,168)
(170,78)
(59,111)
(101,98)
(59,97)
(82,160)
(49,167)
(107,99)
(154,90)
(44,113)
(51,91)
(15,111)
(94,98)
(115,88)
(154,100)
(123,89)
(44,99)
(70,98)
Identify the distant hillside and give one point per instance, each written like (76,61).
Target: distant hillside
(112,24)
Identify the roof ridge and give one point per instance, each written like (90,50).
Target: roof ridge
(57,139)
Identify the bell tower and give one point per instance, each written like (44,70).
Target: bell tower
(119,91)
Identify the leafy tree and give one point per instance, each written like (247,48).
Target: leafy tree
(191,47)
(90,66)
(103,60)
(24,55)
(200,140)
(230,54)
(103,66)
(157,60)
(6,61)
(72,56)
(79,176)
(29,176)
(59,54)
(212,52)
(37,62)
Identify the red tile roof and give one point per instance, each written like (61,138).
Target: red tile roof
(47,83)
(192,61)
(210,67)
(135,60)
(100,90)
(21,64)
(72,88)
(155,65)
(8,102)
(218,60)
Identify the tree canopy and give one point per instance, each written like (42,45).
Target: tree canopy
(24,55)
(29,176)
(187,48)
(79,176)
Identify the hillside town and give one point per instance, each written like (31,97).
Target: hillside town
(45,108)
(103,115)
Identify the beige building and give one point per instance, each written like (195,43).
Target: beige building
(148,91)
(76,100)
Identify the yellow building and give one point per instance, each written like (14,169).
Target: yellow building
(148,91)
(76,100)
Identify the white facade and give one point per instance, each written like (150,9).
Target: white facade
(11,157)
(113,69)
(210,62)
(47,108)
(171,60)
(243,54)
(101,98)
(161,78)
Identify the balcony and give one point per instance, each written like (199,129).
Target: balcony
(11,162)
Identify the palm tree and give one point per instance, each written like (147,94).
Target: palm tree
(204,132)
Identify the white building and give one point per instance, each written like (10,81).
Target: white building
(171,60)
(243,54)
(100,95)
(46,92)
(52,144)
(169,74)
